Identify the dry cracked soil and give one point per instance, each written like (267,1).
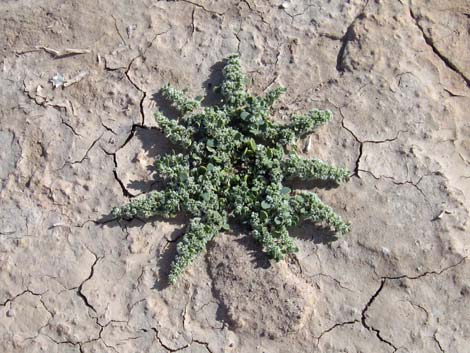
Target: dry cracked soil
(396,75)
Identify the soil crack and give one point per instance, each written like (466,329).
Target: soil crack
(80,287)
(336,326)
(157,336)
(438,342)
(205,344)
(428,40)
(427,273)
(124,190)
(254,10)
(9,300)
(202,7)
(364,319)
(396,182)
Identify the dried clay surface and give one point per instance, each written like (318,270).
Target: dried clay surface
(395,74)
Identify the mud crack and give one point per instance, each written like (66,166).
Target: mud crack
(428,40)
(85,156)
(80,344)
(80,287)
(157,336)
(426,273)
(438,342)
(116,27)
(88,150)
(338,282)
(336,326)
(202,7)
(70,127)
(205,344)
(364,319)
(131,135)
(133,83)
(396,182)
(9,300)
(254,10)
(361,143)
(379,290)
(293,16)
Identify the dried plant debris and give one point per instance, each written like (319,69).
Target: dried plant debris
(77,78)
(62,53)
(57,80)
(235,162)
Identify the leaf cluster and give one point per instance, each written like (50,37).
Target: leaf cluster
(235,162)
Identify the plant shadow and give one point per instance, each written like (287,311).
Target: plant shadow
(154,144)
(164,106)
(253,249)
(166,255)
(215,80)
(306,230)
(299,184)
(211,97)
(316,233)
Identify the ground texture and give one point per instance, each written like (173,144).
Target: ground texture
(396,75)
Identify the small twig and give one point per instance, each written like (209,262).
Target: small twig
(76,79)
(62,53)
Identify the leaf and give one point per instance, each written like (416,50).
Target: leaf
(285,190)
(265,205)
(202,170)
(252,144)
(263,215)
(244,115)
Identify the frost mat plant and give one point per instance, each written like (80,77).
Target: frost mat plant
(234,165)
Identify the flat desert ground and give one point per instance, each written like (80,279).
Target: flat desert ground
(396,76)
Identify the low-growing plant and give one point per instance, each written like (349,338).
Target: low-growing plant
(235,162)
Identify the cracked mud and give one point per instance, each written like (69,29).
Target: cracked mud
(395,75)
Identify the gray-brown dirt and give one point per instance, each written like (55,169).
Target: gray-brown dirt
(396,75)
